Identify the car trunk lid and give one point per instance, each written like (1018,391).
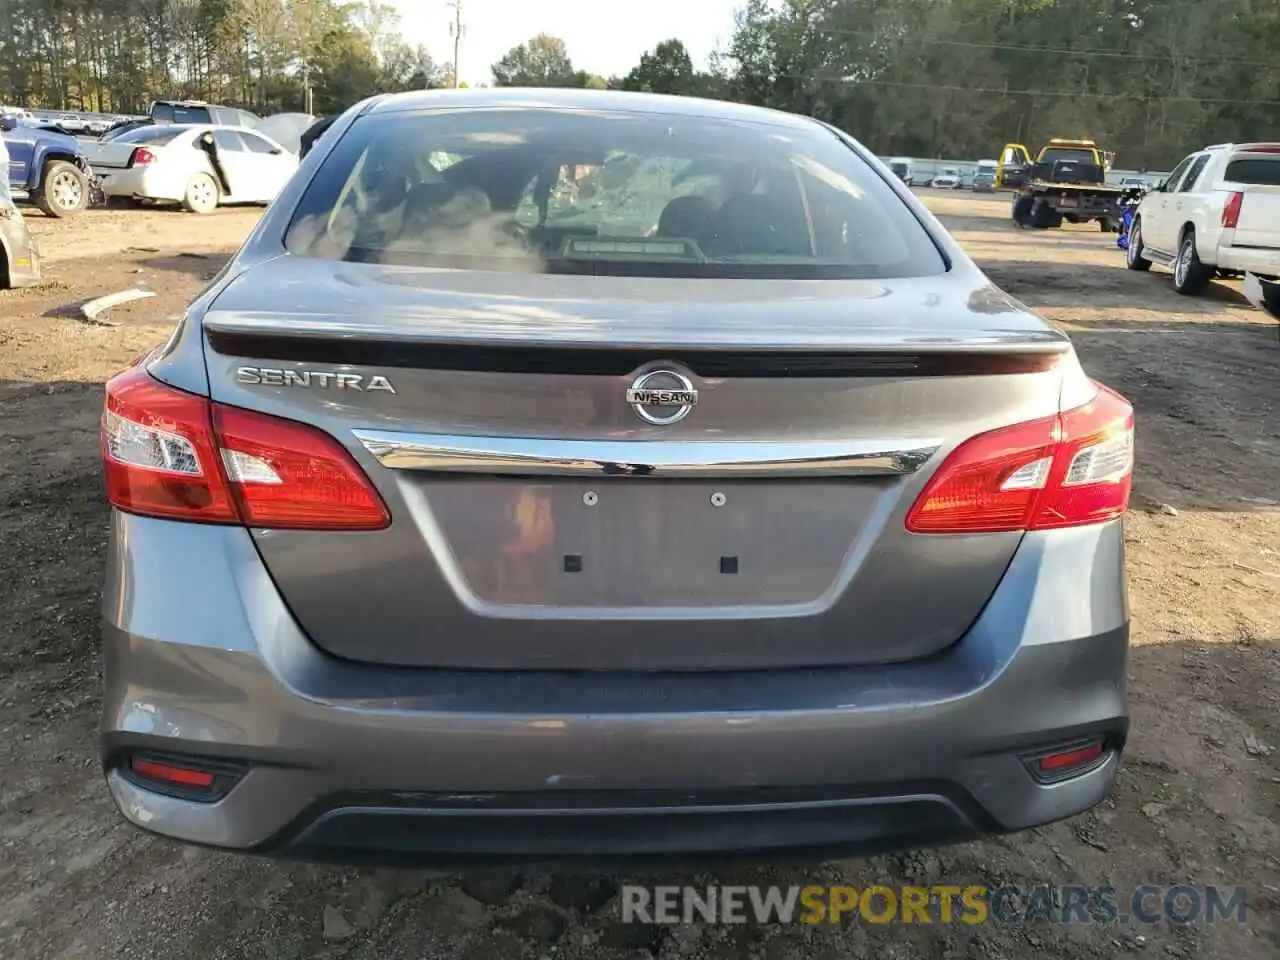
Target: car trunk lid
(111,154)
(539,522)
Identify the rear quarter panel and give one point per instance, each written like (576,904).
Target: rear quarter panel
(47,150)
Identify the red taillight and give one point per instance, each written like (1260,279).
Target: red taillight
(177,776)
(1062,471)
(141,157)
(158,452)
(1231,210)
(171,454)
(286,474)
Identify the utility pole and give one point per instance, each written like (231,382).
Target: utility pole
(303,22)
(455,29)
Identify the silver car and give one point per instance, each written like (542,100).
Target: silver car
(566,474)
(19,255)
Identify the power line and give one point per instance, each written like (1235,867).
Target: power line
(1094,52)
(1073,94)
(1067,51)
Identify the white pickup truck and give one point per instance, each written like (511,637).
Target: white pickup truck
(1217,214)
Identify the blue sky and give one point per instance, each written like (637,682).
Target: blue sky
(603,36)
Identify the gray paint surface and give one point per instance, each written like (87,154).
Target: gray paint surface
(453,652)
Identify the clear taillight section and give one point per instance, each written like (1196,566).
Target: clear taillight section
(167,453)
(1063,471)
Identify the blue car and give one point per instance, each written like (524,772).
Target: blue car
(47,168)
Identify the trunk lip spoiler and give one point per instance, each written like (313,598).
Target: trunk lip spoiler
(540,456)
(924,340)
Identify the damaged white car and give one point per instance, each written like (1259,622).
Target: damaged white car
(200,166)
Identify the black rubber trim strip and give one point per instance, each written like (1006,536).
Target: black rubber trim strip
(595,361)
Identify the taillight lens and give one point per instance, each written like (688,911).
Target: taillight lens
(158,452)
(167,773)
(141,157)
(286,474)
(1069,759)
(1062,471)
(1231,210)
(171,454)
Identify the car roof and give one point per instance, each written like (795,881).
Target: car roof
(581,99)
(184,127)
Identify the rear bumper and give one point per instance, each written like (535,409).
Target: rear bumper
(1263,293)
(146,183)
(1255,260)
(1092,207)
(356,763)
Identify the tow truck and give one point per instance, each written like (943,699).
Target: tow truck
(1067,181)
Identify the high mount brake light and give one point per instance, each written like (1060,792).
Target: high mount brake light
(171,454)
(1067,470)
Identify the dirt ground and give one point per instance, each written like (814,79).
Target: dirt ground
(1198,797)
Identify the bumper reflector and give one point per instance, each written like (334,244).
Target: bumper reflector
(1057,764)
(176,776)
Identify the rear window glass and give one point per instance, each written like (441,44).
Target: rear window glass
(1065,154)
(167,113)
(548,190)
(1259,170)
(158,135)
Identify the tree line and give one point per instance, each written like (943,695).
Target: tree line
(267,56)
(1151,79)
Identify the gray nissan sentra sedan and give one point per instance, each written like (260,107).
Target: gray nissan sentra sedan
(564,474)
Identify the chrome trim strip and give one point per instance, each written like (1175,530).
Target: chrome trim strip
(666,458)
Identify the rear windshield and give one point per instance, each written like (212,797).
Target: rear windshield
(168,113)
(547,190)
(1071,155)
(1260,170)
(158,135)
